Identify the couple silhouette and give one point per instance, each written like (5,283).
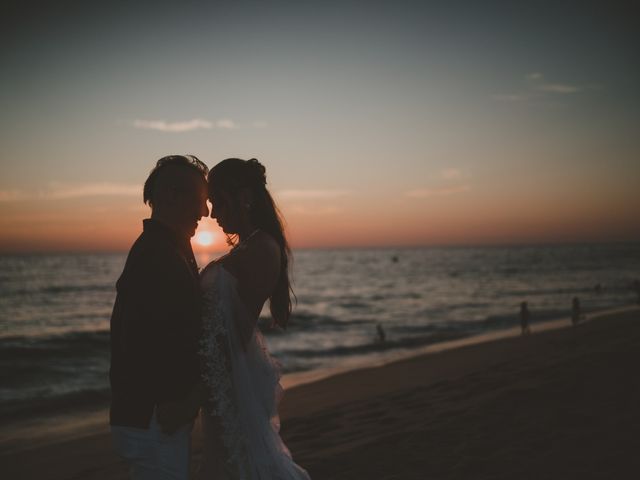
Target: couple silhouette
(185,344)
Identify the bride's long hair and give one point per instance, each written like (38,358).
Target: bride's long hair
(234,174)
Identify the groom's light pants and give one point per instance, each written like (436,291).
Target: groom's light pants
(153,455)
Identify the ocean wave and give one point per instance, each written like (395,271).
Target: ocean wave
(354,305)
(544,292)
(58,289)
(70,401)
(375,346)
(377,297)
(308,320)
(75,343)
(486,323)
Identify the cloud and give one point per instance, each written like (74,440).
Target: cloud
(437,192)
(510,97)
(57,191)
(184,126)
(535,79)
(226,123)
(536,88)
(326,210)
(173,127)
(12,195)
(452,173)
(558,88)
(312,194)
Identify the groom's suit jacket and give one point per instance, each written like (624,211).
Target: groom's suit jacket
(155,326)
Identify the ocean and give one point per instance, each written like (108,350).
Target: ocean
(55,309)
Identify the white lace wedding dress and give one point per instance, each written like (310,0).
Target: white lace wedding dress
(240,423)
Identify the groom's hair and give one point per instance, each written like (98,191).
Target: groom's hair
(168,170)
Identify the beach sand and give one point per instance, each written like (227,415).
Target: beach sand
(557,404)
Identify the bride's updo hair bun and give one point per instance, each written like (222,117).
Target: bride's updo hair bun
(257,172)
(233,174)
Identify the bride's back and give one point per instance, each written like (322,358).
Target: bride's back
(256,267)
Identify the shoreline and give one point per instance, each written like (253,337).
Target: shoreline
(560,403)
(25,435)
(296,379)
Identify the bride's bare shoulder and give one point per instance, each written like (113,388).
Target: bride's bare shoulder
(259,259)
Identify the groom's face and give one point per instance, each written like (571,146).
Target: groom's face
(191,206)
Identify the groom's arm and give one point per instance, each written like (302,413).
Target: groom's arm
(172,303)
(154,333)
(174,308)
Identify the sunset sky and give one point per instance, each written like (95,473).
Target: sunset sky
(380,123)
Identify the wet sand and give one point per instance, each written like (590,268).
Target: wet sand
(557,404)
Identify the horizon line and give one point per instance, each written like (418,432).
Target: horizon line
(196,252)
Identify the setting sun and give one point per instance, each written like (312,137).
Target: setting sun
(205,239)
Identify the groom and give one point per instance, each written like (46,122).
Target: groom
(155,327)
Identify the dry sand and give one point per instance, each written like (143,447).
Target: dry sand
(558,404)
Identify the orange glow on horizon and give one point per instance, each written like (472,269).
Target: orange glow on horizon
(113,225)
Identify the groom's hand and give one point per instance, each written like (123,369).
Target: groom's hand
(173,415)
(170,416)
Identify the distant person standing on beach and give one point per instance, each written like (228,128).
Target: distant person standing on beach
(576,312)
(155,327)
(524,318)
(381,335)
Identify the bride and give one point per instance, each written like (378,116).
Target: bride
(241,380)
